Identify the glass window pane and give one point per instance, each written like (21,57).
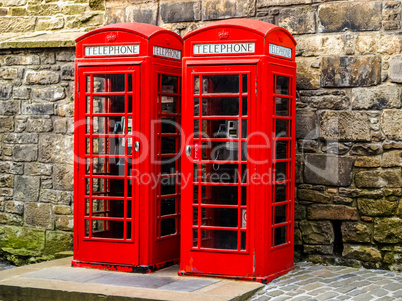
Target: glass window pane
(168,186)
(196,84)
(88,83)
(109,83)
(220,173)
(195,238)
(168,165)
(280,235)
(220,217)
(196,128)
(280,214)
(108,229)
(223,128)
(281,149)
(107,125)
(107,208)
(88,105)
(244,196)
(168,145)
(245,106)
(107,146)
(130,82)
(169,84)
(168,125)
(220,151)
(243,240)
(168,226)
(109,104)
(169,104)
(282,85)
(282,106)
(168,206)
(219,239)
(129,230)
(282,128)
(280,193)
(220,195)
(196,106)
(220,84)
(108,166)
(215,106)
(245,83)
(281,171)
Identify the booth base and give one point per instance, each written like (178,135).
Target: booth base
(143,269)
(263,280)
(57,280)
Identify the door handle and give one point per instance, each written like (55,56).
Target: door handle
(188,150)
(137,146)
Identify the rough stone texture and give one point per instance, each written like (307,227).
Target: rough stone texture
(345,125)
(377,98)
(379,178)
(390,119)
(376,207)
(307,125)
(362,253)
(331,212)
(396,69)
(335,17)
(39,214)
(299,20)
(180,12)
(356,232)
(328,170)
(307,76)
(346,71)
(388,230)
(317,232)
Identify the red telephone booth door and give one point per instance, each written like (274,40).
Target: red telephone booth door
(216,231)
(108,198)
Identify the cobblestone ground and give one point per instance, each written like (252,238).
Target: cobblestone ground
(317,282)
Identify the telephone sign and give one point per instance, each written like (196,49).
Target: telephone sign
(239,90)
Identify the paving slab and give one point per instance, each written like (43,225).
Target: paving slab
(57,280)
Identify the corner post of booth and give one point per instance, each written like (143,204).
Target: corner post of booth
(127,139)
(239,100)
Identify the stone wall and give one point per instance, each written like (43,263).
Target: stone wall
(349,134)
(36,153)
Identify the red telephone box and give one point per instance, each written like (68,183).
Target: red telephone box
(239,84)
(127,141)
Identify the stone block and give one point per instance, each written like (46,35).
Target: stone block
(9,107)
(38,169)
(52,93)
(6,181)
(312,196)
(376,207)
(354,16)
(49,23)
(73,9)
(390,121)
(39,125)
(62,210)
(356,232)
(298,20)
(314,45)
(17,24)
(388,230)
(376,98)
(37,109)
(348,71)
(328,170)
(6,124)
(11,167)
(345,125)
(269,3)
(47,58)
(5,90)
(317,232)
(396,69)
(26,188)
(32,59)
(11,219)
(331,212)
(307,77)
(14,207)
(60,125)
(307,146)
(391,145)
(66,55)
(366,149)
(379,178)
(25,152)
(97,4)
(65,110)
(363,253)
(42,77)
(21,92)
(172,12)
(318,249)
(368,162)
(329,102)
(20,138)
(336,148)
(218,9)
(58,241)
(299,169)
(39,215)
(306,125)
(115,15)
(55,148)
(23,238)
(143,13)
(392,158)
(64,222)
(63,177)
(300,212)
(67,72)
(11,73)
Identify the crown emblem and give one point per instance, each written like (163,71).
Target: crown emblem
(280,36)
(111,37)
(223,34)
(167,41)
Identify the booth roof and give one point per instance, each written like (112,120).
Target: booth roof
(259,27)
(145,30)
